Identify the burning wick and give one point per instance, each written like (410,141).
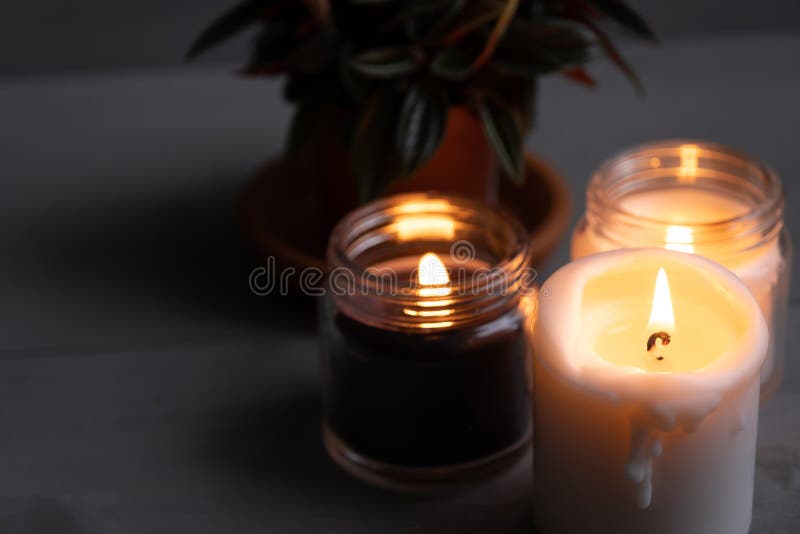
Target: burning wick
(662,318)
(651,342)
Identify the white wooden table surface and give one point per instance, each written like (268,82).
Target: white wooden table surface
(143,389)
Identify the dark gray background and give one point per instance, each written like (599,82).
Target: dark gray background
(38,37)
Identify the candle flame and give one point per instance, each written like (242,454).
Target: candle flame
(432,273)
(661,315)
(434,281)
(680,238)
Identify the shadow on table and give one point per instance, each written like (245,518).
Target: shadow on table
(277,438)
(274,442)
(39,515)
(178,249)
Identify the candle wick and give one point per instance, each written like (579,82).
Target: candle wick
(651,342)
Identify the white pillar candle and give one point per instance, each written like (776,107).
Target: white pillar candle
(636,441)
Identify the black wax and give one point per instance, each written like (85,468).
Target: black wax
(427,400)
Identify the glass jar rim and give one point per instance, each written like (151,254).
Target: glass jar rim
(762,220)
(470,299)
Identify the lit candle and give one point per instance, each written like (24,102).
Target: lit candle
(646,396)
(425,357)
(697,198)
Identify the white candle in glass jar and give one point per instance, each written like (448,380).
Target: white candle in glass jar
(632,440)
(683,211)
(699,198)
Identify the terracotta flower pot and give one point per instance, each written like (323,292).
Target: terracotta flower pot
(288,216)
(290,207)
(463,164)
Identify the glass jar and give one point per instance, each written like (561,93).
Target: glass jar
(702,198)
(425,360)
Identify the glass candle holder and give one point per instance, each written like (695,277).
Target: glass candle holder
(702,198)
(425,361)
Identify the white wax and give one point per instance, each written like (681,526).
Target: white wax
(624,449)
(685,209)
(686,206)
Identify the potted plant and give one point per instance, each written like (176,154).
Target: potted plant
(397,95)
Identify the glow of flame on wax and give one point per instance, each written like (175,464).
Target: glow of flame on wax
(680,238)
(688,169)
(411,227)
(422,206)
(432,276)
(661,315)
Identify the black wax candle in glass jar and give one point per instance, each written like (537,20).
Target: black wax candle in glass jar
(425,363)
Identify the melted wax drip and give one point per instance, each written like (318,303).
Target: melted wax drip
(683,414)
(639,470)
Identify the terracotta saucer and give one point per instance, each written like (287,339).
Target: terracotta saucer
(281,212)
